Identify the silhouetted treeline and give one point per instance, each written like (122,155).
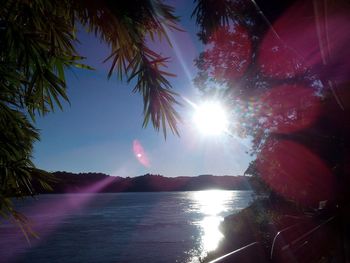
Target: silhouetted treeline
(98,182)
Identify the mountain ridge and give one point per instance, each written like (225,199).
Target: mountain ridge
(66,182)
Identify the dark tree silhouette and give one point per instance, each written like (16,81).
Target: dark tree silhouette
(283,69)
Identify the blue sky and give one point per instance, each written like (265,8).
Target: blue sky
(97,130)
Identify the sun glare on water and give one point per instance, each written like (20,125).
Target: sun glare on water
(212,203)
(211,118)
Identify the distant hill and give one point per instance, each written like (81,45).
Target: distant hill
(103,183)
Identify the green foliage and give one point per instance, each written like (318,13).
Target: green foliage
(37,46)
(127,27)
(16,169)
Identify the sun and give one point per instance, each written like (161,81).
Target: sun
(211,118)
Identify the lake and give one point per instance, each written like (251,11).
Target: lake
(121,227)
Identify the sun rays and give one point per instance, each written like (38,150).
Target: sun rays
(211,118)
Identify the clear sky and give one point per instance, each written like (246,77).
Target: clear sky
(98,130)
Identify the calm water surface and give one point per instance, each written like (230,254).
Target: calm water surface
(122,227)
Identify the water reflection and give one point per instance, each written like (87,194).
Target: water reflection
(212,204)
(211,234)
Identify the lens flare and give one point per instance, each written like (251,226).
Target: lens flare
(289,108)
(140,153)
(295,172)
(47,216)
